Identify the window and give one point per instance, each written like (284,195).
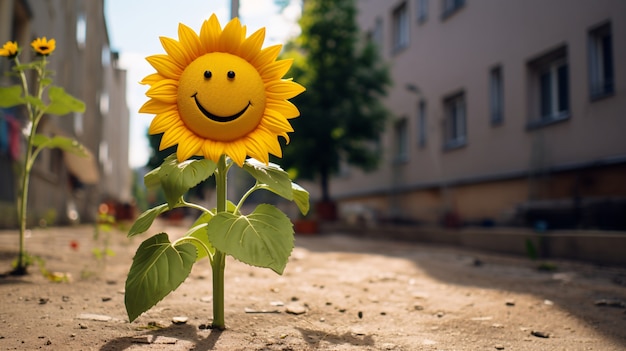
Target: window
(550,88)
(401,140)
(400,27)
(496,96)
(376,35)
(421,123)
(455,121)
(450,7)
(422,10)
(601,81)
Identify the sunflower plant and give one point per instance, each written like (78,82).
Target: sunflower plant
(221,99)
(41,100)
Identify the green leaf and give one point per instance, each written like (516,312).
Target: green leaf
(158,268)
(11,96)
(271,175)
(144,221)
(62,103)
(33,101)
(177,178)
(301,198)
(152,179)
(63,143)
(199,231)
(263,238)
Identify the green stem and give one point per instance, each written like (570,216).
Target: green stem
(245,196)
(219,259)
(34,116)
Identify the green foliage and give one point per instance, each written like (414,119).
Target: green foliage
(158,268)
(342,111)
(263,238)
(62,103)
(63,143)
(11,96)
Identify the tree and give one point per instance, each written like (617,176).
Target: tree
(342,114)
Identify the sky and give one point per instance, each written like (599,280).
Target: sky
(135,27)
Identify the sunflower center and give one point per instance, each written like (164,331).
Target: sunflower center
(221,97)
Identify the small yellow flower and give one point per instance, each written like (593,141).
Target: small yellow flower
(9,49)
(43,46)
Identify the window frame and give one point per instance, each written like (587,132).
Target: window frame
(401,138)
(496,95)
(422,124)
(455,125)
(421,8)
(601,66)
(401,27)
(450,7)
(556,88)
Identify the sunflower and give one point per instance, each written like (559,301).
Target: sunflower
(219,93)
(9,49)
(43,46)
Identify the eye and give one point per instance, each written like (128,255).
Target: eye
(207,74)
(231,74)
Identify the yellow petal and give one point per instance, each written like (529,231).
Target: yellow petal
(212,150)
(164,121)
(165,90)
(165,65)
(275,122)
(151,79)
(236,150)
(283,89)
(231,37)
(155,106)
(275,70)
(172,136)
(286,108)
(266,56)
(176,51)
(189,40)
(188,146)
(251,47)
(210,34)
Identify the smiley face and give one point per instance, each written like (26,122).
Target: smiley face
(221,97)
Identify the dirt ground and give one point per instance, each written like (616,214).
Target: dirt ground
(337,293)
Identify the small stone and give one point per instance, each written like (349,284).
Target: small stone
(65,298)
(206,299)
(72,335)
(43,300)
(277,303)
(322,319)
(539,334)
(548,302)
(510,302)
(418,307)
(610,303)
(180,320)
(48,342)
(95,317)
(499,347)
(295,309)
(389,346)
(360,314)
(106,298)
(83,326)
(440,314)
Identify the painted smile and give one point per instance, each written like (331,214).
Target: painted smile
(215,118)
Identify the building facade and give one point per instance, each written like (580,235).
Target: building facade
(66,188)
(509,112)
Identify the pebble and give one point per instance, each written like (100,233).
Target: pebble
(499,347)
(106,298)
(360,314)
(43,300)
(610,303)
(94,317)
(295,309)
(539,334)
(180,320)
(510,302)
(206,299)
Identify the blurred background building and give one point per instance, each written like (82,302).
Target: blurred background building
(506,112)
(66,188)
